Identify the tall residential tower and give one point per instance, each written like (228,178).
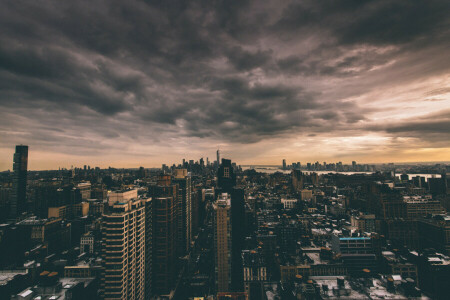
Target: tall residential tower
(19,191)
(222,242)
(183,179)
(124,251)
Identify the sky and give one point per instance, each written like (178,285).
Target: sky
(142,83)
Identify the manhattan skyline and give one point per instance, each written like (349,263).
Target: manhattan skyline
(135,84)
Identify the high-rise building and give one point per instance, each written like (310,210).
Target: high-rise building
(141,172)
(165,206)
(183,179)
(227,184)
(196,207)
(45,196)
(284,164)
(124,252)
(238,229)
(222,242)
(297,179)
(148,248)
(19,190)
(164,243)
(218,158)
(434,232)
(255,273)
(4,203)
(85,189)
(226,179)
(121,196)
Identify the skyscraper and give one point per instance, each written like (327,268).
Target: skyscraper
(284,164)
(123,254)
(148,248)
(238,229)
(164,244)
(165,220)
(222,242)
(218,158)
(183,179)
(226,179)
(19,190)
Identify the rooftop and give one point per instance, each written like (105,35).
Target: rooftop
(8,275)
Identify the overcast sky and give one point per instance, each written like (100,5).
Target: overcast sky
(131,83)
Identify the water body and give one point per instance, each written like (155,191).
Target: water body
(271,170)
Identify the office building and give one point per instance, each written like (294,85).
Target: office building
(183,180)
(306,195)
(19,186)
(238,229)
(54,233)
(421,206)
(289,203)
(218,158)
(4,203)
(297,180)
(165,214)
(226,179)
(357,253)
(434,232)
(87,243)
(255,271)
(364,222)
(164,244)
(222,242)
(85,190)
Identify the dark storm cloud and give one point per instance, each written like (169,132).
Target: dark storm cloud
(433,128)
(245,60)
(246,113)
(238,71)
(372,22)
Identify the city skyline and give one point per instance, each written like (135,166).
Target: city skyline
(179,162)
(129,84)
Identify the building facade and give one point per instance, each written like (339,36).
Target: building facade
(19,186)
(222,242)
(124,251)
(183,180)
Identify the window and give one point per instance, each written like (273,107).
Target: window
(226,172)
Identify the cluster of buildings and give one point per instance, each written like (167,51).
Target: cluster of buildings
(213,231)
(338,167)
(355,167)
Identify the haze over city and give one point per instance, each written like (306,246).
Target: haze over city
(127,83)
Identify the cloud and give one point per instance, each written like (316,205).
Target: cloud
(434,123)
(90,77)
(382,22)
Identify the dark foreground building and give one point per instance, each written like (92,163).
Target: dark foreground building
(19,191)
